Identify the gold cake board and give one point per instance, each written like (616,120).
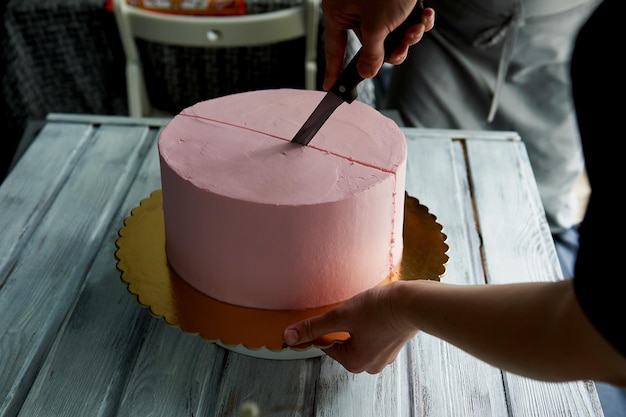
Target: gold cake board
(143,264)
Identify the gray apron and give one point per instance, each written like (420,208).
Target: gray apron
(502,65)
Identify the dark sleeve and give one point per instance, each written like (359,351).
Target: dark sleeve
(597,90)
(599,276)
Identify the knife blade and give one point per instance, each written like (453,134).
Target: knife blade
(345,88)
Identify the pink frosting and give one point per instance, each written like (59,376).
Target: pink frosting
(254,220)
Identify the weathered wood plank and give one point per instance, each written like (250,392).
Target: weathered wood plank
(504,212)
(174,374)
(437,169)
(108,119)
(534,398)
(52,265)
(32,185)
(449,382)
(341,393)
(515,233)
(455,134)
(104,310)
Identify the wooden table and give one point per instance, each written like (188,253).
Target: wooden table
(75,342)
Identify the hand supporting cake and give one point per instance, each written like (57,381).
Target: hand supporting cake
(254,220)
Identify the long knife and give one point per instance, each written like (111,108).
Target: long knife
(344,89)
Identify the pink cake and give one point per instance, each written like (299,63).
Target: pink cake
(254,220)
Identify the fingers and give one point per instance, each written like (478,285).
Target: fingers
(428,19)
(358,359)
(412,36)
(398,55)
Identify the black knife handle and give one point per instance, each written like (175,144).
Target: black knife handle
(345,87)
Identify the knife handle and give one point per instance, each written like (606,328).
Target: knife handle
(345,87)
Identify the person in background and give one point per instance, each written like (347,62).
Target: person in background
(503,65)
(573,328)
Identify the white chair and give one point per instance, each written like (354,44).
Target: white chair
(211,32)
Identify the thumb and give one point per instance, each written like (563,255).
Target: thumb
(291,335)
(310,329)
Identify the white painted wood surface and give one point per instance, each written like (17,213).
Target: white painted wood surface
(74,342)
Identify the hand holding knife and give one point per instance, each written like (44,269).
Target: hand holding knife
(345,89)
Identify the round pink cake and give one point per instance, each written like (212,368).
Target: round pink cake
(254,220)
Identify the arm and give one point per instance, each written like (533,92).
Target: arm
(532,329)
(372,21)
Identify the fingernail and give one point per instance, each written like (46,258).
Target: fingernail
(291,336)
